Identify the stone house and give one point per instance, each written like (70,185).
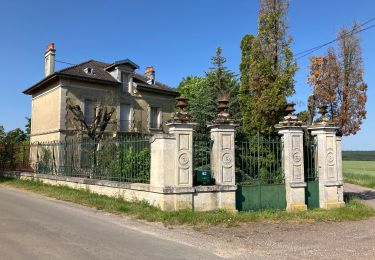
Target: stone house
(141,103)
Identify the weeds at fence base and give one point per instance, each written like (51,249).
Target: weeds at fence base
(354,209)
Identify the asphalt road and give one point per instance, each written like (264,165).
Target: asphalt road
(36,227)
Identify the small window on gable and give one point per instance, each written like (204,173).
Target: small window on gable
(89,71)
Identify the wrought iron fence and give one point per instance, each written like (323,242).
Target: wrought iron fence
(202,145)
(259,160)
(124,160)
(310,145)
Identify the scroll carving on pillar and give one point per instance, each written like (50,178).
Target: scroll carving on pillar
(227,160)
(183,159)
(297,158)
(330,157)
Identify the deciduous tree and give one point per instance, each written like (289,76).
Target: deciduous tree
(337,81)
(15,136)
(103,114)
(325,79)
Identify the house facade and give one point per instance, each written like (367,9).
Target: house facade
(141,103)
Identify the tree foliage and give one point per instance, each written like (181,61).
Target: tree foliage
(15,136)
(267,69)
(28,126)
(200,104)
(2,132)
(337,81)
(203,92)
(325,79)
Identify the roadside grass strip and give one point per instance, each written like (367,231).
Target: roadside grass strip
(360,172)
(354,209)
(364,180)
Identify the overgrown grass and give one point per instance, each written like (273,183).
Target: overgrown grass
(360,173)
(354,210)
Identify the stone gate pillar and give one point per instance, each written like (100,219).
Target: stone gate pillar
(171,176)
(183,152)
(329,164)
(222,130)
(292,160)
(172,157)
(222,153)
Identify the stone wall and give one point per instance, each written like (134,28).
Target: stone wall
(202,198)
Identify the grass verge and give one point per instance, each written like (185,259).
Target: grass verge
(364,180)
(354,209)
(359,172)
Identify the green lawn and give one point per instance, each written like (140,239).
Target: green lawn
(360,172)
(353,210)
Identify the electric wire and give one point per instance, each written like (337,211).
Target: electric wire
(355,30)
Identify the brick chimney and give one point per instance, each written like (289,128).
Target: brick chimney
(49,60)
(150,75)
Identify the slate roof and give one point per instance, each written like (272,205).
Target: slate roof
(100,74)
(98,67)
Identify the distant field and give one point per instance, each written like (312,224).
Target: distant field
(359,167)
(358,155)
(360,172)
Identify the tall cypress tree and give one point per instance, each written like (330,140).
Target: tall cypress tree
(267,69)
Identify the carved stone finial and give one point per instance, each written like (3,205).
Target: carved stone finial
(222,106)
(323,120)
(223,117)
(181,103)
(289,109)
(323,110)
(181,115)
(289,118)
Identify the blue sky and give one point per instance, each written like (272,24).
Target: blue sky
(176,37)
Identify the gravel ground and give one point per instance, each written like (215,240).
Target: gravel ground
(341,240)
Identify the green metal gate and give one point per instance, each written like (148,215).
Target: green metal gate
(202,145)
(311,173)
(259,174)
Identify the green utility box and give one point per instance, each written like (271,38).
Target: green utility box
(203,177)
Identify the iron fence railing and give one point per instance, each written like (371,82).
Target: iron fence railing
(125,159)
(310,146)
(259,160)
(202,145)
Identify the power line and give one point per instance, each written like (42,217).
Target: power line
(64,62)
(335,39)
(354,30)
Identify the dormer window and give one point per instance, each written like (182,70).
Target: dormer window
(89,71)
